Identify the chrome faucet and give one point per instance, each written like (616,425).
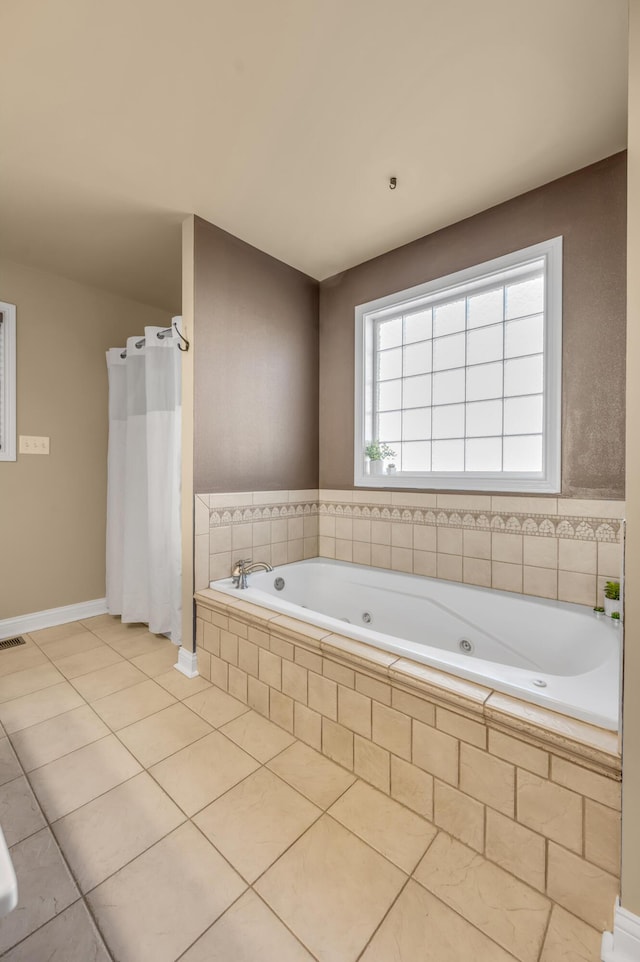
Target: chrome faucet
(244,567)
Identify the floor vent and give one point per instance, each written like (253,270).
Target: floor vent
(12,642)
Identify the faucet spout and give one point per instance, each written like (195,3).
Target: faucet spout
(243,568)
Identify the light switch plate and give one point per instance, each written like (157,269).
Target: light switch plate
(30,445)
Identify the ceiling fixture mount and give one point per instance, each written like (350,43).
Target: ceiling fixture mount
(393,183)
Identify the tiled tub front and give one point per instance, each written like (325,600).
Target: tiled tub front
(537,794)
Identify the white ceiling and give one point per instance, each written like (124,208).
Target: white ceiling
(282,121)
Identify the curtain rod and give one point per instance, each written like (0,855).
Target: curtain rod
(160,335)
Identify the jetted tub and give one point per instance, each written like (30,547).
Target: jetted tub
(558,655)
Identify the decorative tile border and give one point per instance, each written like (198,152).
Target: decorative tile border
(266,512)
(538,525)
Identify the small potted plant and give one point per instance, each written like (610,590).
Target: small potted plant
(377,452)
(612,598)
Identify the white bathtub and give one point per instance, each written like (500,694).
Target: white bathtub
(554,654)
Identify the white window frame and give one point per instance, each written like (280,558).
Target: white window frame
(8,383)
(546,481)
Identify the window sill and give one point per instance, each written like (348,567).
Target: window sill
(449,483)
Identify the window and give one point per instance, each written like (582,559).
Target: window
(7,382)
(461,378)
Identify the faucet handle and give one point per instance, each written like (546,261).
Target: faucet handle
(239,566)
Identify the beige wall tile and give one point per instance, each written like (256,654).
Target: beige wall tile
(279,530)
(465,502)
(575,508)
(506,547)
(220,566)
(241,536)
(261,533)
(569,939)
(519,753)
(295,529)
(524,505)
(339,673)
(461,727)
(580,887)
(541,582)
(505,576)
(417,499)
(418,708)
(392,730)
(381,532)
(435,752)
(308,659)
(229,647)
(238,683)
(449,540)
(323,695)
(220,539)
(211,638)
(476,544)
(337,743)
(239,628)
(361,553)
(516,849)
(219,672)
(248,657)
(270,497)
(372,763)
(327,525)
(344,550)
(401,535)
(486,896)
(204,664)
(476,571)
(295,551)
(307,725)
(449,567)
(378,690)
(258,637)
(425,563)
(201,516)
(609,559)
(548,808)
(411,786)
(425,537)
(354,711)
(602,836)
(326,547)
(459,815)
(540,552)
(310,548)
(578,556)
(310,526)
(201,562)
(402,560)
(380,556)
(270,670)
(279,553)
(258,696)
(294,681)
(487,778)
(578,588)
(344,528)
(333,494)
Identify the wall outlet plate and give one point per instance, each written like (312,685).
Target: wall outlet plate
(31,445)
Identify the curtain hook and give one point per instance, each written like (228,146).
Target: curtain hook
(182,337)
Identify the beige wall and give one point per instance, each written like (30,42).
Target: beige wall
(588,209)
(52,509)
(631,703)
(256,368)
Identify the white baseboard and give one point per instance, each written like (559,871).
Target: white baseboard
(623,944)
(187,663)
(52,616)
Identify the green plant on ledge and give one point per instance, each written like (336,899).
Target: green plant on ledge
(612,590)
(379,452)
(616,616)
(599,611)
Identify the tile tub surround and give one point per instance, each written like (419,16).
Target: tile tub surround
(274,526)
(554,548)
(533,793)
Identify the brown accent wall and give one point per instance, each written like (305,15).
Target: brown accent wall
(53,508)
(588,208)
(256,368)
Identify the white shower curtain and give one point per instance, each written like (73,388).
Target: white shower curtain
(143,490)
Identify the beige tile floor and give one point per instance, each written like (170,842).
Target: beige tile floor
(153,818)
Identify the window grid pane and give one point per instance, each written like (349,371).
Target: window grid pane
(459,386)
